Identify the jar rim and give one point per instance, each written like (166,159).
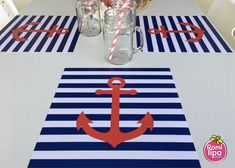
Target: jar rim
(88,3)
(114,14)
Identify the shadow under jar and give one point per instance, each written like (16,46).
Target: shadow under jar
(119,48)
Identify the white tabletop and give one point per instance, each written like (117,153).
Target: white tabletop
(205,83)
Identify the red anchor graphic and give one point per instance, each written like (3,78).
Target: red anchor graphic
(114,136)
(165,32)
(51,32)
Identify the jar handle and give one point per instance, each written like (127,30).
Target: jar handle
(233,32)
(139,48)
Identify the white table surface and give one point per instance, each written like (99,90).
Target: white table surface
(205,83)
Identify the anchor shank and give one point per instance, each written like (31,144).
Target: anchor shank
(115,118)
(181,31)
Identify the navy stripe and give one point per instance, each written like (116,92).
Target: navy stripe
(169,39)
(187,35)
(128,85)
(27,35)
(127,163)
(121,76)
(150,146)
(148,36)
(177,35)
(201,42)
(123,117)
(122,105)
(137,36)
(45,38)
(210,39)
(56,36)
(217,34)
(65,39)
(158,36)
(35,38)
(155,131)
(74,41)
(12,41)
(14,27)
(118,69)
(9,24)
(139,95)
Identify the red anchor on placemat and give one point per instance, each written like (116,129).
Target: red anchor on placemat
(114,136)
(55,30)
(162,30)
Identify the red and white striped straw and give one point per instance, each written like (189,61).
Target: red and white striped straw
(115,37)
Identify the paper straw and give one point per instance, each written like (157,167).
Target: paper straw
(115,37)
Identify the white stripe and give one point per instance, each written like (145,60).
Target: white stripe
(116,73)
(182,35)
(153,36)
(38,41)
(142,138)
(220,46)
(115,155)
(206,41)
(164,40)
(139,81)
(49,40)
(145,48)
(122,111)
(59,40)
(122,100)
(130,124)
(192,35)
(22,35)
(11,26)
(173,35)
(71,36)
(11,36)
(26,43)
(139,90)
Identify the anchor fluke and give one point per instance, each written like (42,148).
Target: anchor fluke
(147,121)
(82,121)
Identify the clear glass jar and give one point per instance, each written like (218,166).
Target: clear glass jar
(88,17)
(120,50)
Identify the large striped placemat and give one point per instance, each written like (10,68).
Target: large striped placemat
(39,34)
(180,34)
(167,144)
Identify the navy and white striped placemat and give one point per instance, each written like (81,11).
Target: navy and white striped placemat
(169,144)
(39,41)
(211,42)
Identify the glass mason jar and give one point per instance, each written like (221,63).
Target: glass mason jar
(88,17)
(118,45)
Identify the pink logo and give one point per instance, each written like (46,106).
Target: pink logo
(215,149)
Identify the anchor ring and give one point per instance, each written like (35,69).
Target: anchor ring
(117,85)
(153,31)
